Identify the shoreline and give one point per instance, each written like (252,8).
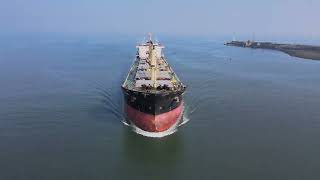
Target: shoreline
(295,50)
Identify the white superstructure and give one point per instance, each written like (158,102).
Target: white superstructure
(151,71)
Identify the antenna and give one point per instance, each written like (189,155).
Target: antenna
(150,36)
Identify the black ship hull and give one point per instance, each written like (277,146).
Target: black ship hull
(153,103)
(153,112)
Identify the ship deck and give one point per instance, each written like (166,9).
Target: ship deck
(151,72)
(139,77)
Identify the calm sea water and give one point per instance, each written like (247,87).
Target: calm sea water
(254,114)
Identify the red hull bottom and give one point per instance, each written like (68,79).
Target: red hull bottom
(154,123)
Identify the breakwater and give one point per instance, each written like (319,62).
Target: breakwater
(296,50)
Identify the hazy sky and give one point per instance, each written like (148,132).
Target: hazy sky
(205,17)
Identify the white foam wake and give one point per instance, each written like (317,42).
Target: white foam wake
(184,120)
(168,132)
(125,122)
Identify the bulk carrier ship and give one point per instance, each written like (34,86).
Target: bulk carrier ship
(152,91)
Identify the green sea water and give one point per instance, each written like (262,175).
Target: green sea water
(252,114)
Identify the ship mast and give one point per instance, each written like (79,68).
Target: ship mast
(150,37)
